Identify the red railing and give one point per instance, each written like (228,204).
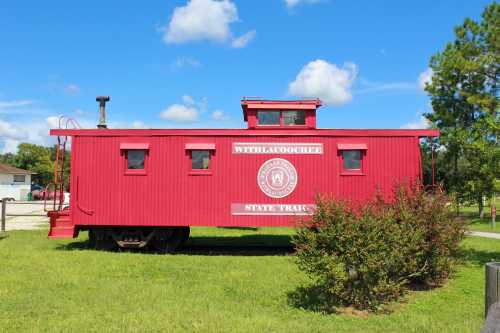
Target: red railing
(55,190)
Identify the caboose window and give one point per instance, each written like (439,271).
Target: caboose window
(294,118)
(135,159)
(269,118)
(351,159)
(200,159)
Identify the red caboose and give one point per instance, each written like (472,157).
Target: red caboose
(131,187)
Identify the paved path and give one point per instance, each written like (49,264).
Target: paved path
(483,234)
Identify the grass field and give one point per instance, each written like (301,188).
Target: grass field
(475,223)
(226,280)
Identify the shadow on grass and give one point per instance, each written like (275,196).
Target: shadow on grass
(245,245)
(74,246)
(316,299)
(240,228)
(3,236)
(478,257)
(312,298)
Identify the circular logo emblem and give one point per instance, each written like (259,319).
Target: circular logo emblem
(277,178)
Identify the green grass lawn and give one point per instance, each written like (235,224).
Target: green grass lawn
(474,223)
(227,280)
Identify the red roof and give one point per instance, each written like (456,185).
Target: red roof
(247,132)
(310,104)
(9,169)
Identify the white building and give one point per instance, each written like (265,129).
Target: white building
(14,183)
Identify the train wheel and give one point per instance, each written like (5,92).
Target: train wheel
(103,240)
(167,240)
(105,245)
(91,242)
(185,231)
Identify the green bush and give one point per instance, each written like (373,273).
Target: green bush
(367,255)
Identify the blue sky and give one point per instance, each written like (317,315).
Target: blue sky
(184,64)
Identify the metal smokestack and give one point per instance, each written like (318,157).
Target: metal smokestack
(102,110)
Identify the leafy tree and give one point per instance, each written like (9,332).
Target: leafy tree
(7,158)
(37,159)
(366,255)
(465,102)
(67,164)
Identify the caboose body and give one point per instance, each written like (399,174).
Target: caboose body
(134,187)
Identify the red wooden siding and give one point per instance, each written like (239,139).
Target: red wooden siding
(168,195)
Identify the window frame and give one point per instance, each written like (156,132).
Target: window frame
(209,168)
(189,148)
(293,125)
(269,125)
(124,148)
(345,171)
(17,181)
(362,148)
(282,119)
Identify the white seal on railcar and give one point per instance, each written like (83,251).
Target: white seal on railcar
(277,178)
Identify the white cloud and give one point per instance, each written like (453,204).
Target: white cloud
(10,146)
(16,131)
(293,3)
(186,62)
(190,110)
(369,87)
(421,123)
(243,40)
(202,104)
(14,104)
(36,130)
(188,100)
(13,133)
(425,78)
(72,89)
(9,130)
(138,125)
(321,79)
(53,121)
(218,115)
(180,113)
(201,20)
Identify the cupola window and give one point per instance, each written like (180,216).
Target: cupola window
(268,118)
(291,118)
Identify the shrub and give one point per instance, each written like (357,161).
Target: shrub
(367,255)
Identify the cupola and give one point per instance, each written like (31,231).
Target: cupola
(273,114)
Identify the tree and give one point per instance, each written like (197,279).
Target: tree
(441,173)
(67,165)
(37,159)
(465,103)
(7,158)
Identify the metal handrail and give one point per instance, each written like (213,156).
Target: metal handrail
(77,201)
(58,182)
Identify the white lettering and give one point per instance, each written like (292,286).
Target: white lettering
(277,148)
(272,209)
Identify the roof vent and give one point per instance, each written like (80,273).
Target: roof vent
(102,110)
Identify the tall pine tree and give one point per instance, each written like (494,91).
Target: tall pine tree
(465,102)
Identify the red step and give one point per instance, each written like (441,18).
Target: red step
(61,225)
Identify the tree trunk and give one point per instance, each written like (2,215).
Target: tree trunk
(455,176)
(480,204)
